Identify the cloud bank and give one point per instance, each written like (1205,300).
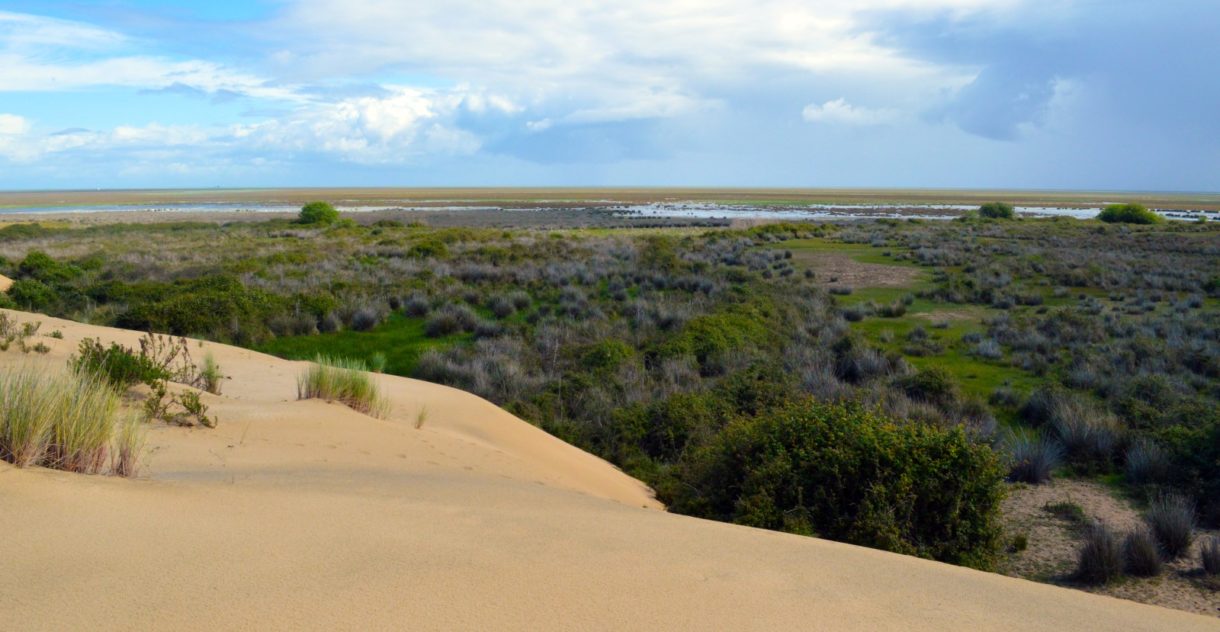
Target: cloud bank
(774,92)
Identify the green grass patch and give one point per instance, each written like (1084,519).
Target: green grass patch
(864,253)
(400,338)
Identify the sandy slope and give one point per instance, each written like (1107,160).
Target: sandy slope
(307,515)
(5,283)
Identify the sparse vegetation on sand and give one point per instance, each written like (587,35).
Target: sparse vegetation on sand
(345,381)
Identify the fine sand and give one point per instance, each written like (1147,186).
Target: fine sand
(306,515)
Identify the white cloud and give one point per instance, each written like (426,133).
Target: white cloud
(596,61)
(11,124)
(400,127)
(841,112)
(46,54)
(24,31)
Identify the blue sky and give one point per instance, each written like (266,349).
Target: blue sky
(1072,94)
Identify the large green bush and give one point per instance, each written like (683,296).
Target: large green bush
(318,213)
(1129,214)
(844,473)
(219,306)
(996,210)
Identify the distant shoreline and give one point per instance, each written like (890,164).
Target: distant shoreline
(592,197)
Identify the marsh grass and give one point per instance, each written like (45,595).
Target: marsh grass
(63,420)
(343,380)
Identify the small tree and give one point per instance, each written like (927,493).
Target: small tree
(1129,214)
(318,213)
(996,210)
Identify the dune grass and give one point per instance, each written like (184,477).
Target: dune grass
(28,407)
(65,420)
(343,380)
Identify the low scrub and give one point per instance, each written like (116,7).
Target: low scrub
(345,381)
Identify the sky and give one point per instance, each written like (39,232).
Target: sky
(1029,94)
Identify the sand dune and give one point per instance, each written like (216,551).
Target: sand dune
(303,514)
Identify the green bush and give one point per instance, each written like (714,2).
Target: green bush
(217,306)
(321,213)
(844,473)
(933,385)
(429,249)
(996,210)
(708,337)
(38,265)
(116,365)
(1129,214)
(607,355)
(33,295)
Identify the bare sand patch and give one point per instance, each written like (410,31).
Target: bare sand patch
(5,283)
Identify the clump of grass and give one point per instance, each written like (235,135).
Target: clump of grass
(1146,463)
(1101,557)
(1033,457)
(1210,552)
(1089,435)
(1142,554)
(128,445)
(64,420)
(81,433)
(343,380)
(1172,519)
(209,375)
(377,362)
(28,407)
